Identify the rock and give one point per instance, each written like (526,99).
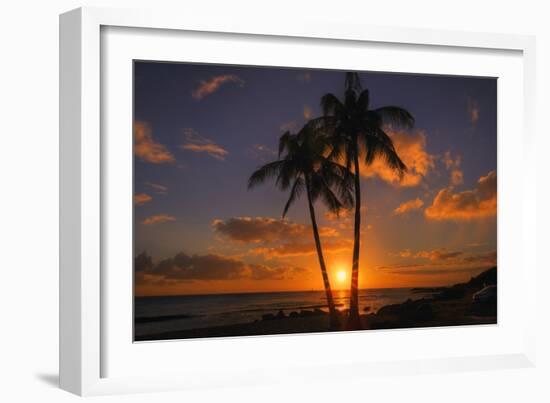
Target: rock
(268,316)
(280,315)
(318,312)
(424,312)
(394,309)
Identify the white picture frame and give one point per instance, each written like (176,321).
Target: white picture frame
(84,302)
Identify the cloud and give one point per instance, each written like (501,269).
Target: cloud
(155,219)
(263,152)
(441,254)
(489,258)
(442,261)
(213,84)
(345,218)
(278,238)
(478,203)
(143,262)
(457,177)
(160,189)
(146,148)
(196,143)
(407,206)
(304,77)
(438,254)
(288,249)
(411,148)
(405,253)
(473,111)
(265,229)
(308,113)
(449,161)
(142,198)
(184,267)
(453,164)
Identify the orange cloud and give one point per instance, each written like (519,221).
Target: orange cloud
(410,205)
(141,199)
(478,203)
(155,219)
(308,113)
(457,176)
(438,254)
(305,77)
(289,249)
(473,111)
(196,143)
(146,148)
(213,84)
(160,189)
(411,148)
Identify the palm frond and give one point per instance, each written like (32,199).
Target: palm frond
(295,193)
(352,82)
(269,170)
(363,100)
(284,141)
(332,202)
(286,173)
(331,105)
(339,178)
(395,115)
(379,145)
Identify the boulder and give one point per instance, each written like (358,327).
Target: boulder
(423,312)
(280,315)
(268,316)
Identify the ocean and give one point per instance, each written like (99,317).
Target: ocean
(172,313)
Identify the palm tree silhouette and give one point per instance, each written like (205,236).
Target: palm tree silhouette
(357,131)
(303,165)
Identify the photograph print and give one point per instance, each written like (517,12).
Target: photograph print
(273,200)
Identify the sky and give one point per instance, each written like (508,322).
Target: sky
(201,130)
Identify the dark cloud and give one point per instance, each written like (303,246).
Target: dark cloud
(442,261)
(278,238)
(265,230)
(183,267)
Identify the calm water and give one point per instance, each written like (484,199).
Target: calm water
(202,311)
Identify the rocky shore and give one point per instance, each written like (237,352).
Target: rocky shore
(448,306)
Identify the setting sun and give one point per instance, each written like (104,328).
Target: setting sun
(341,276)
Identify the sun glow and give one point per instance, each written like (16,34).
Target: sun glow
(341,276)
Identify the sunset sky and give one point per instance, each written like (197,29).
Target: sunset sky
(201,130)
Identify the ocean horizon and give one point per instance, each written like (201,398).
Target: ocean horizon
(159,314)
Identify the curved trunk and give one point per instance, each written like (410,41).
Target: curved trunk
(328,291)
(354,320)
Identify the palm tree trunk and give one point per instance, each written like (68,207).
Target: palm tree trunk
(334,321)
(354,320)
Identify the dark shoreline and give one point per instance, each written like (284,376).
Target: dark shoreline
(450,306)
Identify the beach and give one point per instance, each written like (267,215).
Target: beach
(439,306)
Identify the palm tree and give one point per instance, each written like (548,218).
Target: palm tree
(358,132)
(303,165)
